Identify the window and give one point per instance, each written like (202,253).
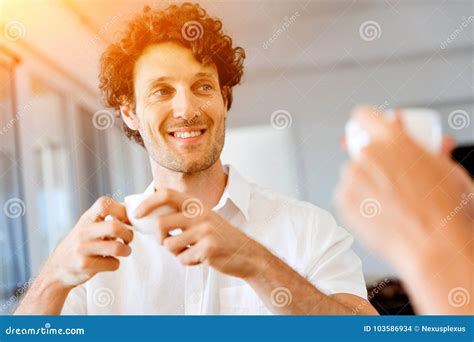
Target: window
(48,170)
(14,270)
(93,160)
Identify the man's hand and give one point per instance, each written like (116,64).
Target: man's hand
(206,236)
(396,194)
(92,246)
(415,209)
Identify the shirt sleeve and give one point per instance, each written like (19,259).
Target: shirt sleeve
(76,302)
(333,267)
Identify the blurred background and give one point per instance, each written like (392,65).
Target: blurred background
(308,64)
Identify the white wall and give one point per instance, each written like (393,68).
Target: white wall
(264,155)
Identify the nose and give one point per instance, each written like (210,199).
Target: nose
(183,105)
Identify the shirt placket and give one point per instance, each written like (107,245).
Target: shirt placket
(194,290)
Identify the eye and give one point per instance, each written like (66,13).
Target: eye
(205,87)
(162,92)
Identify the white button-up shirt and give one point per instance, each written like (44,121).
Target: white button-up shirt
(152,282)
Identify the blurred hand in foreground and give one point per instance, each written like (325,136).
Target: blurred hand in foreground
(415,209)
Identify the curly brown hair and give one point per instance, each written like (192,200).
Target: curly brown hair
(187,24)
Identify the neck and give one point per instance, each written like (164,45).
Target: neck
(207,185)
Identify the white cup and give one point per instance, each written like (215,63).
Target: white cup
(423,125)
(146,224)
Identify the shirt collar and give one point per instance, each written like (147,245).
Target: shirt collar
(237,190)
(150,189)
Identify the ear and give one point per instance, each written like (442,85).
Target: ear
(128,116)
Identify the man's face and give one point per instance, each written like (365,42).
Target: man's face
(179,107)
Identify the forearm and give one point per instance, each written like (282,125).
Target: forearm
(440,278)
(284,291)
(45,297)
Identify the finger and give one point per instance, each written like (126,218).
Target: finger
(167,223)
(107,248)
(354,172)
(179,243)
(356,178)
(358,186)
(112,229)
(370,118)
(103,264)
(101,208)
(375,164)
(159,198)
(191,256)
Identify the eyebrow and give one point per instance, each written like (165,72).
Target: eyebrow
(204,74)
(158,80)
(155,81)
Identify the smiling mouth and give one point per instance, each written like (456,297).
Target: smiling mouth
(187,133)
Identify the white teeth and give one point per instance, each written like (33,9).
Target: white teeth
(184,135)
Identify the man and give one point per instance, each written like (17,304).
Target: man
(171,78)
(425,210)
